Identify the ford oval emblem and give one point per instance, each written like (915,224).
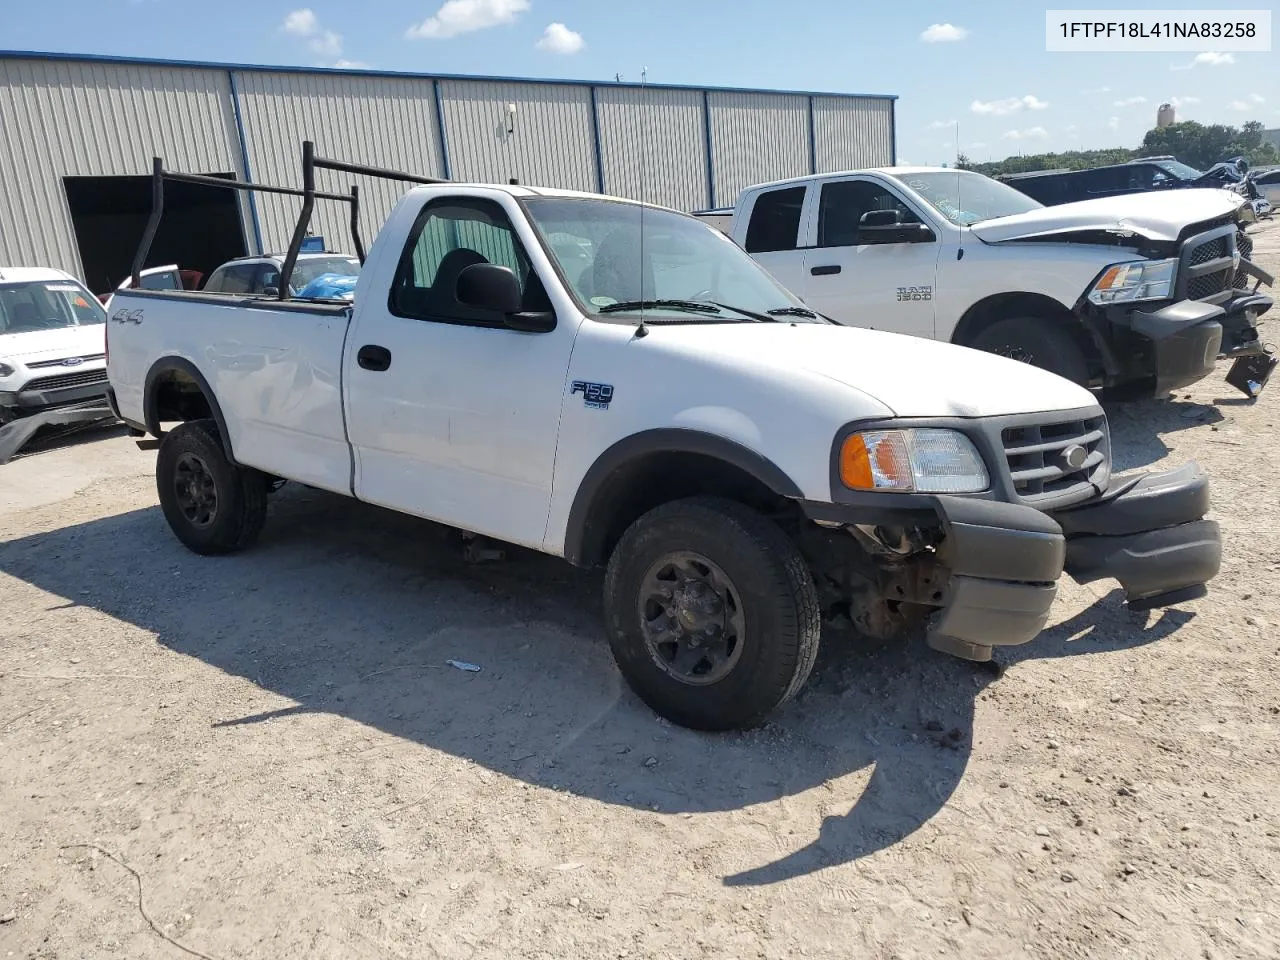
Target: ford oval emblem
(73,361)
(1074,456)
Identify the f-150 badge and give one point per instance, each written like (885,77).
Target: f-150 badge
(595,395)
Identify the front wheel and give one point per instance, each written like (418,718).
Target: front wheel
(212,505)
(1037,341)
(712,613)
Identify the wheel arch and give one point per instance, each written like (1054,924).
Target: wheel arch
(646,469)
(167,390)
(1002,306)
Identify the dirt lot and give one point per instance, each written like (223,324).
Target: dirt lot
(274,743)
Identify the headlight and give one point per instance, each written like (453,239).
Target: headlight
(907,461)
(1139,280)
(5,369)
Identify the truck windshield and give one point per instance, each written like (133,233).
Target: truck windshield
(964,197)
(47,305)
(609,262)
(1176,168)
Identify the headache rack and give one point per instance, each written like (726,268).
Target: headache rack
(308,193)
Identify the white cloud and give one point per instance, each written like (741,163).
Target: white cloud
(1240,106)
(351,64)
(1033,133)
(1001,108)
(456,17)
(1182,101)
(943,33)
(301,22)
(1210,58)
(1129,101)
(304,23)
(1113,123)
(558,38)
(1257,98)
(1099,90)
(941,124)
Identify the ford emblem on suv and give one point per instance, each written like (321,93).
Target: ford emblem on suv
(73,361)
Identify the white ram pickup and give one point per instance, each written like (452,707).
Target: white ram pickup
(621,385)
(1137,294)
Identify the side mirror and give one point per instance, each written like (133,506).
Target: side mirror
(488,286)
(271,291)
(887,226)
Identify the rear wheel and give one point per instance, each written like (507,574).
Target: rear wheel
(211,505)
(712,613)
(1037,341)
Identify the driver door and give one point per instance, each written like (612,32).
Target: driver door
(858,280)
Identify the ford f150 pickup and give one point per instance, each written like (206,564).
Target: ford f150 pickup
(1136,295)
(620,385)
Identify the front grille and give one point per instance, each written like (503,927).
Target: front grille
(1036,455)
(1209,251)
(63,363)
(1212,249)
(1200,287)
(64,380)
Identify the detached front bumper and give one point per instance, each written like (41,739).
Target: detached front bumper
(1002,561)
(1186,338)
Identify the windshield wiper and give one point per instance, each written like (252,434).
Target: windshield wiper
(792,312)
(689,306)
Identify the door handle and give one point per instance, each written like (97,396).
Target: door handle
(373,357)
(825,271)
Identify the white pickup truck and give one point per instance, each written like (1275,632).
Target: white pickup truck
(621,385)
(1137,294)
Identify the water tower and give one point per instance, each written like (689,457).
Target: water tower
(1165,116)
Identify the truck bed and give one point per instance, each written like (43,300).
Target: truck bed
(275,366)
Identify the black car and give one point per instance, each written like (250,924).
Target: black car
(1052,187)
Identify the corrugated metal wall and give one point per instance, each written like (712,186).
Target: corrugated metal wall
(653,145)
(849,134)
(62,118)
(66,117)
(756,137)
(550,143)
(379,121)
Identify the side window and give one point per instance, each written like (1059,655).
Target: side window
(162,281)
(842,205)
(449,236)
(264,275)
(1106,181)
(775,220)
(214,283)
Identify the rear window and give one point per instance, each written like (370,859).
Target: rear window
(775,220)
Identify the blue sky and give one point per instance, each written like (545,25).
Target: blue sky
(983,65)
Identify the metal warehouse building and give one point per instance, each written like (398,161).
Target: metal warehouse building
(77,134)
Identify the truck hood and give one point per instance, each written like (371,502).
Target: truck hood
(36,345)
(1156,216)
(911,376)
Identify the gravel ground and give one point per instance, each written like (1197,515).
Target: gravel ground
(270,750)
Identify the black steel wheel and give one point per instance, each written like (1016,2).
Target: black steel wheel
(194,490)
(692,618)
(212,505)
(712,613)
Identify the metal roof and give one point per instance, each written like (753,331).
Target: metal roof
(349,71)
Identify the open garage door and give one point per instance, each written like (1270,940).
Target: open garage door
(201,229)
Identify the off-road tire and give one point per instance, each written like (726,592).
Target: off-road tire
(1037,341)
(241,493)
(778,600)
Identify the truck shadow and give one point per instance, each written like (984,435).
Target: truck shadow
(1138,427)
(350,610)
